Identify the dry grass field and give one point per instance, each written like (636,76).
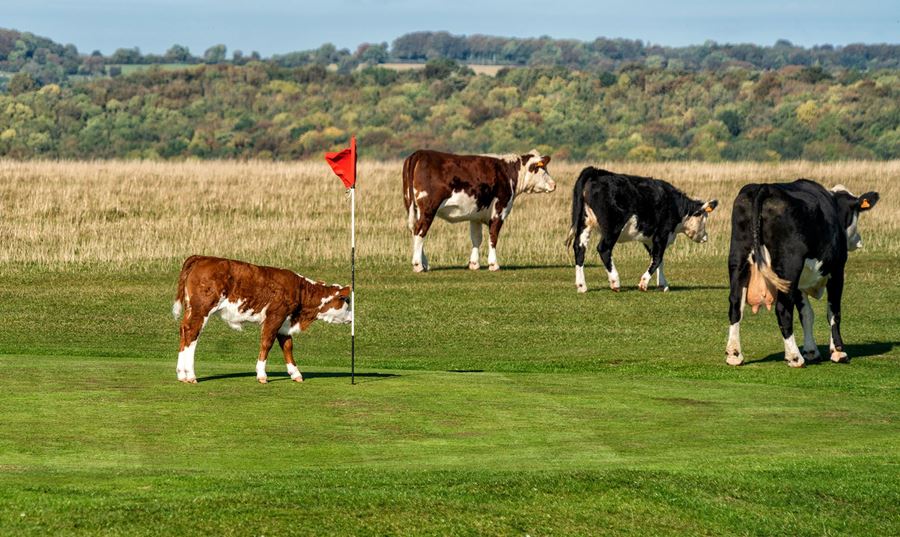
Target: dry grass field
(136,215)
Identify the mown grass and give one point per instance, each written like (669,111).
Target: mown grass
(487,403)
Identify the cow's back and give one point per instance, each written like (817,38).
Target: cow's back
(435,176)
(254,286)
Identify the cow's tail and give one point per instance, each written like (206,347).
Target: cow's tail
(409,200)
(177,306)
(578,210)
(764,281)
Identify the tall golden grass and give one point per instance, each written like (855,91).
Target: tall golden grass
(137,215)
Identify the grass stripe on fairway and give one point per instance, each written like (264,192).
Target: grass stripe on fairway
(95,443)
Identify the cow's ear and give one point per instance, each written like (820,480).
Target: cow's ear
(867,201)
(710,206)
(345,291)
(546,160)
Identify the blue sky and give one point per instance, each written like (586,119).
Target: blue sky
(271,26)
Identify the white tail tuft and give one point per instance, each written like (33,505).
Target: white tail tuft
(176,309)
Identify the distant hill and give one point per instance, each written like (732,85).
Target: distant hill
(50,62)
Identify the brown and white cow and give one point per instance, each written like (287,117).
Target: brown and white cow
(478,189)
(282,302)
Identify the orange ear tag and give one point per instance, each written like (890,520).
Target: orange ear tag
(709,208)
(865,204)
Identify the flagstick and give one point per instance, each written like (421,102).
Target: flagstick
(353,284)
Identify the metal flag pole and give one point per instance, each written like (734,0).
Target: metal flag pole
(353,271)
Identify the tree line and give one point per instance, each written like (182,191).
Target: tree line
(263,110)
(50,62)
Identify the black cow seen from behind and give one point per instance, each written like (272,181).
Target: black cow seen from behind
(789,242)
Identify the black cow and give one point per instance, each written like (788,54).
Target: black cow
(631,208)
(789,242)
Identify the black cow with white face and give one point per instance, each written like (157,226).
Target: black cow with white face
(631,208)
(789,242)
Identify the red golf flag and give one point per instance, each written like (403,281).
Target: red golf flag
(344,163)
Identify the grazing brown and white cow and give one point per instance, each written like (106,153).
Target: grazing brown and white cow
(789,242)
(478,189)
(282,302)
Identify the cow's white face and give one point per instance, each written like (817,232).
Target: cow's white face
(533,175)
(849,209)
(694,225)
(336,308)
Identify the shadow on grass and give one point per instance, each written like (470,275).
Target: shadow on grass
(461,268)
(274,377)
(855,352)
(655,290)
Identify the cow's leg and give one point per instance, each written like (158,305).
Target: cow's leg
(656,257)
(287,346)
(191,326)
(475,233)
(810,351)
(579,246)
(420,230)
(604,248)
(835,288)
(661,282)
(784,310)
(739,276)
(495,226)
(737,298)
(267,335)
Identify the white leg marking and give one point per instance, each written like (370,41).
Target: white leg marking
(613,276)
(645,281)
(792,352)
(661,281)
(836,355)
(294,373)
(733,354)
(186,363)
(580,284)
(475,233)
(810,351)
(261,371)
(492,259)
(179,368)
(419,262)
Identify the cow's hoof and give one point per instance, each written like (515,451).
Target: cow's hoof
(474,266)
(663,288)
(262,380)
(418,267)
(494,267)
(615,288)
(812,357)
(797,361)
(298,379)
(734,359)
(582,288)
(839,357)
(643,284)
(191,380)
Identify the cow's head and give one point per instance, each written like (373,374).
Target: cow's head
(335,307)
(533,174)
(694,224)
(849,207)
